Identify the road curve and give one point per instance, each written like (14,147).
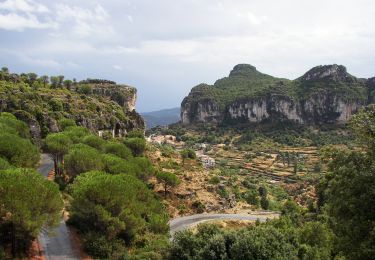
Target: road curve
(56,243)
(182,223)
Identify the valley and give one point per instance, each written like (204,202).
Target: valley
(208,187)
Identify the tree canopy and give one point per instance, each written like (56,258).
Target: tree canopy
(28,201)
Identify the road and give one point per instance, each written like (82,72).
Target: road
(182,223)
(55,243)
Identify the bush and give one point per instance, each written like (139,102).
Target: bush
(94,141)
(18,151)
(118,149)
(76,133)
(113,210)
(137,145)
(135,134)
(214,180)
(65,123)
(82,158)
(251,197)
(28,201)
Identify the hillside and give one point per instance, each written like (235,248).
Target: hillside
(42,102)
(161,117)
(325,94)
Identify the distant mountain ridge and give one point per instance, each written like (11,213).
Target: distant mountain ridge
(324,95)
(161,117)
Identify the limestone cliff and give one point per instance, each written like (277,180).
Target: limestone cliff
(101,107)
(325,94)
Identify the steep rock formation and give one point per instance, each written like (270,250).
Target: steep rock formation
(324,94)
(101,108)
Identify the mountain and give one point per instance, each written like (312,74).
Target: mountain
(42,102)
(161,117)
(323,95)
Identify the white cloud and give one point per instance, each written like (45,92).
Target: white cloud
(26,6)
(85,21)
(16,22)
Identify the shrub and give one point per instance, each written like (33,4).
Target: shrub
(82,158)
(118,149)
(137,145)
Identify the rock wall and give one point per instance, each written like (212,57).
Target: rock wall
(319,109)
(324,95)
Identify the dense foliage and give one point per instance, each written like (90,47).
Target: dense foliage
(113,211)
(27,200)
(347,192)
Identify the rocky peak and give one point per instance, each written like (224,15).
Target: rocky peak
(333,72)
(243,70)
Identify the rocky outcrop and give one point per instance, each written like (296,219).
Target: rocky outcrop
(123,95)
(323,95)
(103,107)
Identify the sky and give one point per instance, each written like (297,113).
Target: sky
(165,47)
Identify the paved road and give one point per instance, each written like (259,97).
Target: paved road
(182,223)
(56,243)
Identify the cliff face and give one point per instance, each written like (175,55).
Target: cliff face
(325,94)
(98,107)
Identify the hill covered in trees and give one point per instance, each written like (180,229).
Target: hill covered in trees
(323,95)
(42,102)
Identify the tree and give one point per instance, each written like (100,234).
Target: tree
(137,145)
(45,80)
(68,83)
(28,201)
(111,210)
(58,145)
(60,80)
(118,149)
(82,158)
(94,141)
(54,81)
(264,203)
(135,134)
(347,191)
(31,78)
(168,179)
(18,151)
(187,154)
(263,242)
(76,133)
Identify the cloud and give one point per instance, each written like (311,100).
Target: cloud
(18,15)
(85,21)
(26,6)
(16,22)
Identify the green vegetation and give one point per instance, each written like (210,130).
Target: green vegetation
(347,191)
(27,200)
(168,179)
(245,85)
(277,239)
(114,211)
(52,104)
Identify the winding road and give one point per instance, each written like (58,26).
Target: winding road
(182,223)
(56,243)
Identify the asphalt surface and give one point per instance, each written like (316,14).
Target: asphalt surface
(55,243)
(182,223)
